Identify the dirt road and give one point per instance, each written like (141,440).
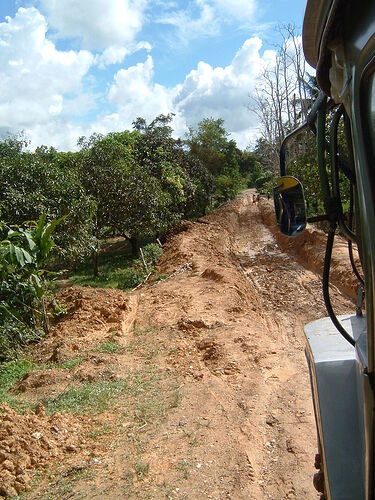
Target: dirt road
(223,409)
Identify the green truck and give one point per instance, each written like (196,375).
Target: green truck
(339,42)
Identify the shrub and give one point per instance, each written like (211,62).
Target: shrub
(129,279)
(152,253)
(23,284)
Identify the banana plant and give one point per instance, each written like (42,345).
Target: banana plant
(24,282)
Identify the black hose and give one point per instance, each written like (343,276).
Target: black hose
(354,267)
(350,244)
(335,173)
(327,300)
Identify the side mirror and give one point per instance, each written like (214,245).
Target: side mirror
(290,205)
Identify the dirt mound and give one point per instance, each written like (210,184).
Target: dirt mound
(34,441)
(309,249)
(72,352)
(91,314)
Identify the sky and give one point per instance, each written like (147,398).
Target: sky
(70,68)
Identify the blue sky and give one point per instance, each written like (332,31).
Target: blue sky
(70,68)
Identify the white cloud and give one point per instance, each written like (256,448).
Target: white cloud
(218,92)
(42,88)
(97,23)
(191,25)
(115,54)
(236,9)
(135,94)
(223,92)
(205,17)
(34,76)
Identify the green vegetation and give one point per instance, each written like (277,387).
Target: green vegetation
(96,397)
(10,373)
(24,283)
(112,269)
(90,397)
(141,469)
(134,185)
(71,363)
(109,347)
(119,270)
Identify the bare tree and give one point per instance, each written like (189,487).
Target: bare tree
(281,100)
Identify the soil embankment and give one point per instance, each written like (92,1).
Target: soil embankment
(214,397)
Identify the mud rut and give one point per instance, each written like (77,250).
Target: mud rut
(290,296)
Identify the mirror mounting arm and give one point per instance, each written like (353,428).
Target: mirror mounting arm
(318,218)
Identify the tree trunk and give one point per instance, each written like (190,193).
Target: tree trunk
(134,245)
(95,259)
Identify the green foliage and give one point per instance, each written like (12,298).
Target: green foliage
(69,364)
(46,182)
(152,253)
(129,279)
(182,185)
(110,347)
(118,270)
(209,143)
(24,283)
(136,184)
(14,335)
(140,270)
(226,188)
(145,266)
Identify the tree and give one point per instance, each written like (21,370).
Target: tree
(182,175)
(46,182)
(210,144)
(138,186)
(282,99)
(104,162)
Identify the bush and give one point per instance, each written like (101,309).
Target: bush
(14,335)
(129,279)
(152,253)
(133,276)
(23,284)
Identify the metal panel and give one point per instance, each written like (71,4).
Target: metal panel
(338,401)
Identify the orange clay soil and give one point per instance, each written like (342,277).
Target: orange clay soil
(210,390)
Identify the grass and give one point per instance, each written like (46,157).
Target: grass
(141,469)
(110,347)
(150,399)
(101,429)
(183,467)
(71,363)
(13,371)
(10,373)
(146,397)
(90,397)
(116,268)
(64,483)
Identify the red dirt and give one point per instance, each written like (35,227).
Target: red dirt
(223,409)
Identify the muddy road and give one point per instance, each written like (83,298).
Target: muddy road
(226,411)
